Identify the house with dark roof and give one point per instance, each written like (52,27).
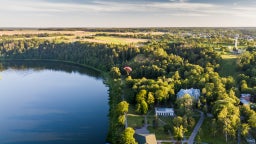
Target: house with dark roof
(145,138)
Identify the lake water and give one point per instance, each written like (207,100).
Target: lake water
(52,104)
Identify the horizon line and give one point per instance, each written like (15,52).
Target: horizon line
(147,27)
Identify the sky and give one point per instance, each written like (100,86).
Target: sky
(127,13)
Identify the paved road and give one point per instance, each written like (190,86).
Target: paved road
(195,131)
(144,129)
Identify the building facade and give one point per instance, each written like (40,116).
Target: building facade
(164,111)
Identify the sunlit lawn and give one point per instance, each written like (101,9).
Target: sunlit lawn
(228,65)
(135,121)
(160,134)
(75,36)
(118,40)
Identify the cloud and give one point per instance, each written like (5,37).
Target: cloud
(178,7)
(169,10)
(102,7)
(245,12)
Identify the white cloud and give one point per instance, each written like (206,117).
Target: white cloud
(170,10)
(249,12)
(194,14)
(179,6)
(99,6)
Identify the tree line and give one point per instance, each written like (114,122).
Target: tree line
(161,68)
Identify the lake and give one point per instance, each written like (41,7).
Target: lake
(52,103)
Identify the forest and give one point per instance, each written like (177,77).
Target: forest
(169,60)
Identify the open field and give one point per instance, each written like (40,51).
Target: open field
(20,32)
(114,40)
(72,36)
(228,65)
(230,56)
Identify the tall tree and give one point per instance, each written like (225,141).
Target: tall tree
(150,99)
(185,104)
(214,127)
(178,132)
(245,129)
(127,136)
(252,120)
(115,72)
(228,116)
(122,109)
(144,107)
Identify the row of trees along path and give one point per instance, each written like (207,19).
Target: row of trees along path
(193,134)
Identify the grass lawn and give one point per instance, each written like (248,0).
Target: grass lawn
(159,132)
(207,137)
(74,36)
(135,121)
(228,65)
(118,40)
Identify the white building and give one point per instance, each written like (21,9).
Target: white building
(245,99)
(164,111)
(195,93)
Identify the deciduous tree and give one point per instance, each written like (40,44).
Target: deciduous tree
(127,136)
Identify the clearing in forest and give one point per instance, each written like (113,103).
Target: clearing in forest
(228,66)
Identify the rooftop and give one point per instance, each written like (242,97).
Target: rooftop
(164,109)
(145,138)
(192,92)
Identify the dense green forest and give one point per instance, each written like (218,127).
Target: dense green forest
(177,58)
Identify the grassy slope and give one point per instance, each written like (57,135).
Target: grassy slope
(228,65)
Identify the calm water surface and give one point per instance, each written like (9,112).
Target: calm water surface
(48,106)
